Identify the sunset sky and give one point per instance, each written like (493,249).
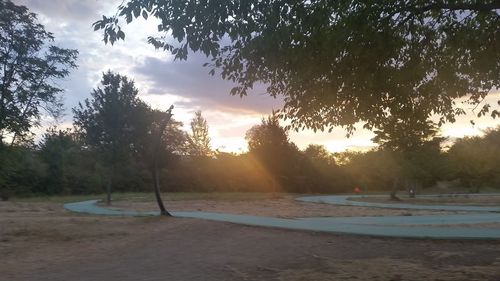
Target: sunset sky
(186,84)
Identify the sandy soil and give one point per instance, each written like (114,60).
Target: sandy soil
(283,207)
(43,242)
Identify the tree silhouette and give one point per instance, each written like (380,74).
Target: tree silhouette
(338,62)
(268,135)
(158,125)
(404,135)
(199,140)
(269,143)
(319,154)
(158,147)
(29,65)
(110,122)
(406,138)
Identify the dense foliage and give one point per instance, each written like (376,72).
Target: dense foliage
(392,65)
(62,164)
(29,65)
(338,62)
(475,160)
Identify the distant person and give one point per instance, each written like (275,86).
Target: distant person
(357,190)
(411,192)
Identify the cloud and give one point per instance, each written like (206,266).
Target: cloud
(189,79)
(68,10)
(71,23)
(186,84)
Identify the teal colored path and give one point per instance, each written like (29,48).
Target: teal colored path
(345,200)
(388,226)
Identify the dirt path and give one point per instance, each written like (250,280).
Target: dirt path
(43,242)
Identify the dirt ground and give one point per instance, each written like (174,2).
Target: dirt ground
(283,207)
(41,241)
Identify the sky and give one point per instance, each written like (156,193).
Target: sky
(185,84)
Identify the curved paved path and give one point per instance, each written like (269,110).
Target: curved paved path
(429,226)
(346,200)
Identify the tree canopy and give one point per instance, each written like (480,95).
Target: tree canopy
(29,64)
(199,140)
(338,62)
(122,128)
(270,145)
(474,160)
(405,135)
(267,135)
(112,121)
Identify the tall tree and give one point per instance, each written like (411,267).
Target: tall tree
(269,143)
(199,140)
(110,123)
(406,137)
(29,64)
(267,135)
(162,142)
(158,125)
(338,62)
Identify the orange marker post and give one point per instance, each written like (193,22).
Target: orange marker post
(357,190)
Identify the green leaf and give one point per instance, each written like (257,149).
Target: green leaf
(137,11)
(340,63)
(121,35)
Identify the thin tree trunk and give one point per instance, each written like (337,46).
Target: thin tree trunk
(111,176)
(156,179)
(156,174)
(156,142)
(108,190)
(395,187)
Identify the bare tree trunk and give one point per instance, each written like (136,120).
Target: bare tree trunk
(156,152)
(157,131)
(394,191)
(108,190)
(156,179)
(111,177)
